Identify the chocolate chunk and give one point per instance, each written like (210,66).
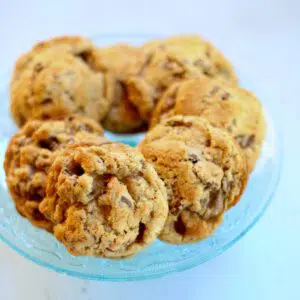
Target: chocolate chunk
(38,67)
(193,158)
(245,141)
(37,215)
(140,237)
(105,210)
(179,226)
(84,56)
(126,201)
(225,96)
(49,143)
(46,101)
(174,123)
(74,168)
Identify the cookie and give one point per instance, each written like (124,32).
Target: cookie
(121,60)
(77,46)
(30,153)
(201,53)
(122,117)
(204,172)
(224,106)
(160,68)
(57,83)
(104,200)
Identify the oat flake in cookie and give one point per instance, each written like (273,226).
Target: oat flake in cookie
(204,172)
(30,153)
(104,200)
(224,106)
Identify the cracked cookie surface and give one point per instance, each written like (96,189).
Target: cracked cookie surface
(202,54)
(224,106)
(204,172)
(77,46)
(31,152)
(56,83)
(160,67)
(104,200)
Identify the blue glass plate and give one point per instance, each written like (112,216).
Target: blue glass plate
(160,258)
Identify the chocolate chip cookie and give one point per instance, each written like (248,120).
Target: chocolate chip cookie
(77,46)
(201,53)
(30,153)
(121,60)
(104,200)
(204,172)
(56,83)
(161,67)
(224,106)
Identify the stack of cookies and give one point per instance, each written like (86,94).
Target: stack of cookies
(106,199)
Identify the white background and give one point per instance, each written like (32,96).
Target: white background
(262,38)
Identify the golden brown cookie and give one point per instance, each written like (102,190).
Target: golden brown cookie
(77,46)
(122,117)
(56,83)
(30,153)
(224,106)
(201,53)
(105,200)
(161,67)
(204,172)
(121,60)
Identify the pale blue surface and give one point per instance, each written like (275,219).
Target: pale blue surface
(262,39)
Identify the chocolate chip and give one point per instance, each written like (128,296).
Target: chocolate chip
(142,228)
(193,158)
(37,215)
(179,226)
(84,56)
(46,101)
(126,201)
(225,96)
(50,143)
(74,168)
(36,197)
(105,210)
(208,143)
(245,141)
(45,116)
(174,123)
(38,67)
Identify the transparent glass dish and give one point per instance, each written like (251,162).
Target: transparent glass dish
(160,258)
